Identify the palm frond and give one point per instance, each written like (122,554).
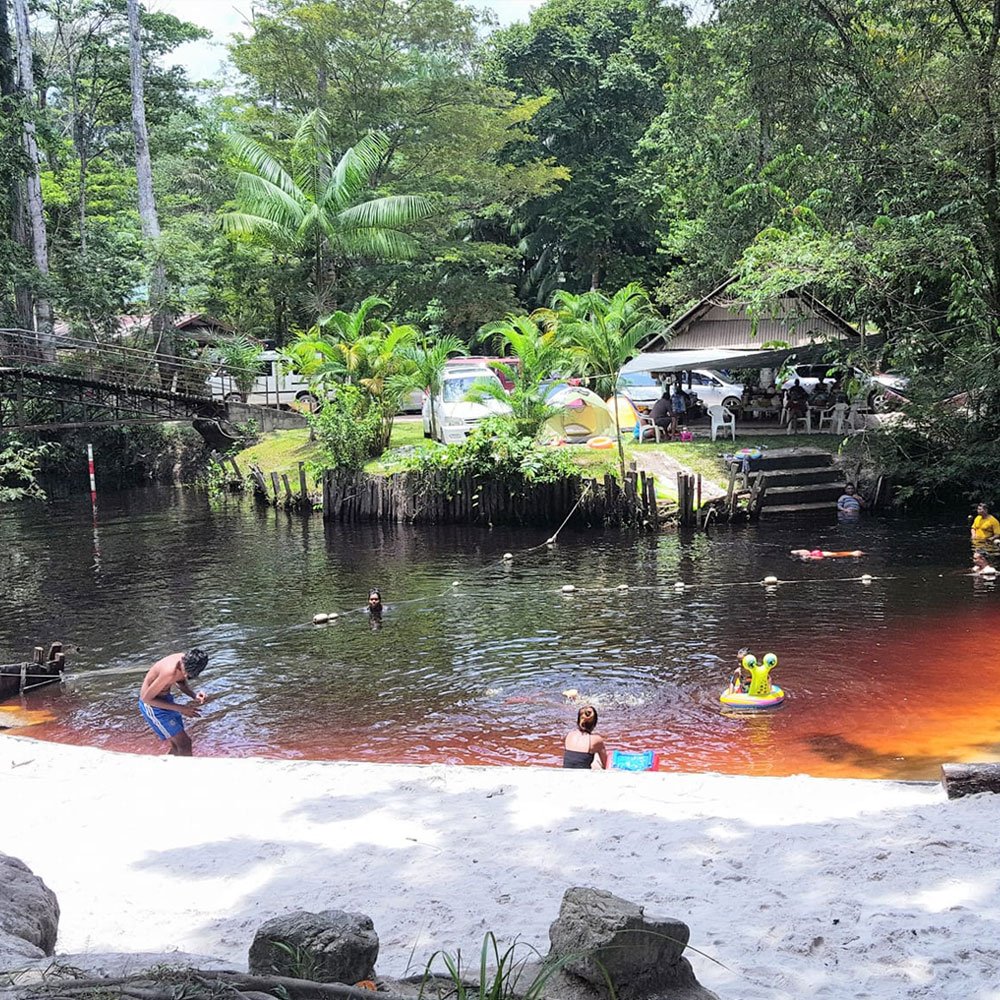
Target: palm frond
(263,198)
(390,212)
(252,154)
(354,171)
(247,224)
(381,244)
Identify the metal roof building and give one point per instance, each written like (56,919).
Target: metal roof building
(720,323)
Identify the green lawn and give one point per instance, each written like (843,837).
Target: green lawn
(705,456)
(281,451)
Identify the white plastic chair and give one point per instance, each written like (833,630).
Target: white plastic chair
(645,423)
(833,417)
(857,417)
(794,421)
(722,418)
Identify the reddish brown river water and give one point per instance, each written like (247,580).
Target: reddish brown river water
(887,679)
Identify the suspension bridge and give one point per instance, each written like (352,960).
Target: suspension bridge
(59,382)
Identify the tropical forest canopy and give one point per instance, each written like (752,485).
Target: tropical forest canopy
(462,173)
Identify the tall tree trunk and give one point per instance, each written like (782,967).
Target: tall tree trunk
(36,213)
(18,227)
(147,201)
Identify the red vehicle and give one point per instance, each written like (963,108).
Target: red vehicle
(492,363)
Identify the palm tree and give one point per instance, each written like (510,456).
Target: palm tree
(386,362)
(539,353)
(428,360)
(240,359)
(602,333)
(318,207)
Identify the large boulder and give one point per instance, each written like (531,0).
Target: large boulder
(599,937)
(328,947)
(29,914)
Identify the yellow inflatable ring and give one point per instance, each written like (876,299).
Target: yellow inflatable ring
(600,442)
(733,699)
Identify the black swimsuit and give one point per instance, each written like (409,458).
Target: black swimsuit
(577,759)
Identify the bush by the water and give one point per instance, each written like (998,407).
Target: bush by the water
(495,449)
(348,429)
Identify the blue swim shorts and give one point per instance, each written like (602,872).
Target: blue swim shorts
(162,721)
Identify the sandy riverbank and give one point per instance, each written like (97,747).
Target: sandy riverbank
(800,886)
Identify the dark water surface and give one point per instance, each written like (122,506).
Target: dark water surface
(887,679)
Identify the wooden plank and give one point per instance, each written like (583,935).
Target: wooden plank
(960,780)
(303,487)
(276,486)
(287,485)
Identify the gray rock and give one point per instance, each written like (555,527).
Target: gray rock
(328,947)
(598,936)
(29,913)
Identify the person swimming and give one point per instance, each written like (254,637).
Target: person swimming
(375,609)
(823,554)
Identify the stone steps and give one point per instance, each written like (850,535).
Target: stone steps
(798,481)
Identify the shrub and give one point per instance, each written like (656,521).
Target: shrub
(347,429)
(495,449)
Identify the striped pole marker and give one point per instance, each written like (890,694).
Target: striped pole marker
(90,468)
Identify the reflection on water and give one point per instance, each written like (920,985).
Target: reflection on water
(474,655)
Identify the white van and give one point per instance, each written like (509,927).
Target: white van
(272,387)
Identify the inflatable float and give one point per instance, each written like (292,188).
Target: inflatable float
(758,692)
(600,442)
(823,554)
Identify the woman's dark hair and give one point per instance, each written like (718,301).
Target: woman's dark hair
(586,719)
(194,660)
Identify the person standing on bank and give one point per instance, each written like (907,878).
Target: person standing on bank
(582,743)
(156,701)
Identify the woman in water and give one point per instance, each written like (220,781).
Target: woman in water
(374,609)
(583,743)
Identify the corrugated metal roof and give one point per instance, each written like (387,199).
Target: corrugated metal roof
(720,321)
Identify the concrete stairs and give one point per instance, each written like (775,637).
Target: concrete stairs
(796,481)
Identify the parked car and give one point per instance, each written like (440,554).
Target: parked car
(641,388)
(455,415)
(809,376)
(272,386)
(495,365)
(713,388)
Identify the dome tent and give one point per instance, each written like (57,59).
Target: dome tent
(582,415)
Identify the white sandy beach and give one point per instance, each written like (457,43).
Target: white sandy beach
(800,886)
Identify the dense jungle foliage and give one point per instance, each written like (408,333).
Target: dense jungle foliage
(462,173)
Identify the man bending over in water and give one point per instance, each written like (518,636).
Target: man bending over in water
(156,702)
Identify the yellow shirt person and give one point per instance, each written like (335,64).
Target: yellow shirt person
(985,527)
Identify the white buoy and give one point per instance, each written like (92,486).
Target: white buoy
(550,541)
(571,693)
(332,615)
(455,583)
(508,557)
(320,619)
(770,581)
(568,588)
(679,585)
(623,586)
(988,571)
(866,578)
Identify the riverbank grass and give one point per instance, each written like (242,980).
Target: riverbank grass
(281,451)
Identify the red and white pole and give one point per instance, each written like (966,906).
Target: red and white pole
(90,468)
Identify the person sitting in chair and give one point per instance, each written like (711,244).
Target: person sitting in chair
(662,413)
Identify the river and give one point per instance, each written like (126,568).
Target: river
(475,655)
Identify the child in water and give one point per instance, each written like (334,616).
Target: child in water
(736,683)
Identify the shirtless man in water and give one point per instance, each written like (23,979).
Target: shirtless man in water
(156,702)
